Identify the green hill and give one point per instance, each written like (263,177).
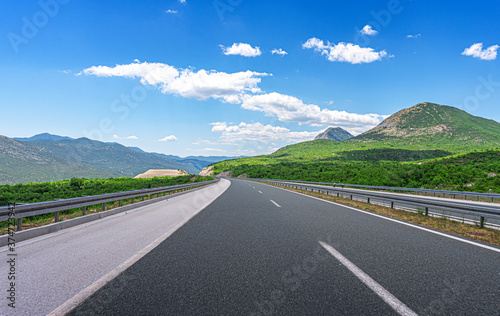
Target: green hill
(403,150)
(430,124)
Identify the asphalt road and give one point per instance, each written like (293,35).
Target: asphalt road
(261,250)
(53,268)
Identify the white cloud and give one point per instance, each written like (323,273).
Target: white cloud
(280,52)
(241,49)
(260,133)
(170,138)
(291,109)
(199,85)
(368,30)
(172,11)
(476,50)
(345,52)
(413,36)
(128,137)
(236,88)
(330,102)
(182,1)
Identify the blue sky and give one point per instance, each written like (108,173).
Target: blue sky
(199,77)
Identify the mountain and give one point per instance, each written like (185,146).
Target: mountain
(22,162)
(416,134)
(213,159)
(43,136)
(47,157)
(49,160)
(335,133)
(137,149)
(198,162)
(435,125)
(194,163)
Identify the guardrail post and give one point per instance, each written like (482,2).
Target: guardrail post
(119,203)
(104,206)
(392,204)
(368,200)
(481,222)
(132,201)
(84,210)
(19,224)
(143,197)
(351,196)
(56,217)
(426,211)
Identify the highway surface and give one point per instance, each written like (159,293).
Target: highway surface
(53,268)
(261,250)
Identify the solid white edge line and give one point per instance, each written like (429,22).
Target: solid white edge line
(275,203)
(385,295)
(76,300)
(400,222)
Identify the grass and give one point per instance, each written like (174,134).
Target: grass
(473,171)
(486,235)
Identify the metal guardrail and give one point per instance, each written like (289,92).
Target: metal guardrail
(451,194)
(482,211)
(56,206)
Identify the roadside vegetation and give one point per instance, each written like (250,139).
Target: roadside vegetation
(477,171)
(425,146)
(48,191)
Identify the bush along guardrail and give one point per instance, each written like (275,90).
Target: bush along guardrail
(481,211)
(20,211)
